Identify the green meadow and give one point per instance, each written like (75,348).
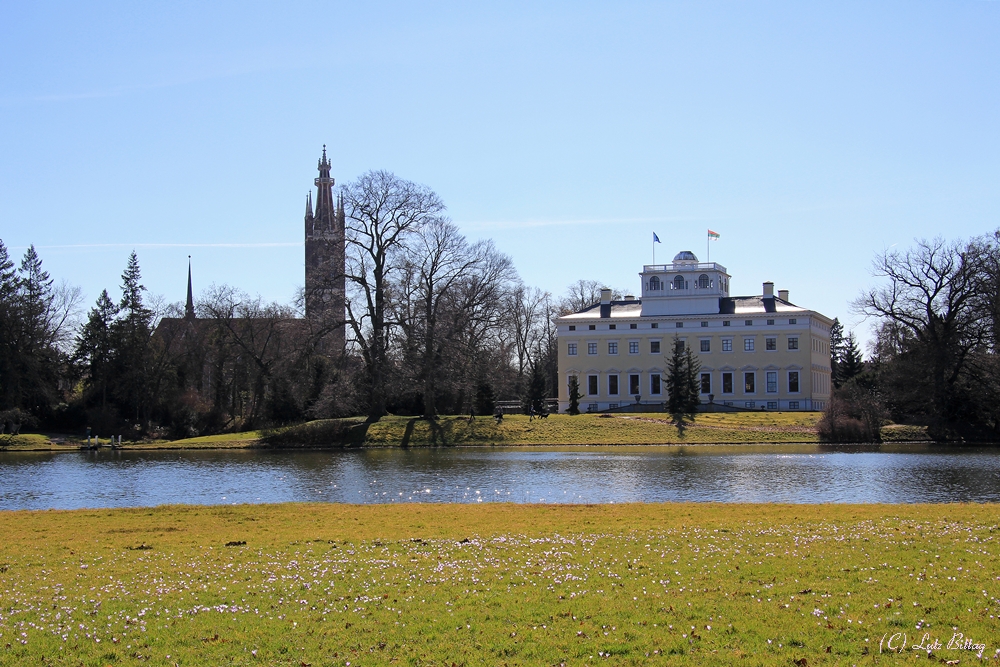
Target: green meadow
(501,584)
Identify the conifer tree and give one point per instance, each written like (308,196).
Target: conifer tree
(683,391)
(574,395)
(852,363)
(836,350)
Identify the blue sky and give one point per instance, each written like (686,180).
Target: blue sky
(809,135)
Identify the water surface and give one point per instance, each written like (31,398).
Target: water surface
(768,473)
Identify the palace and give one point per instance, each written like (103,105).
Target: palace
(756,352)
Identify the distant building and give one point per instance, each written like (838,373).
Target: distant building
(324,289)
(756,352)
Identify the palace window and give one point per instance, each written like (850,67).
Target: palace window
(679,325)
(748,344)
(772,382)
(679,282)
(770,344)
(654,347)
(727,383)
(633,385)
(793,382)
(750,404)
(633,347)
(704,324)
(770,322)
(612,326)
(633,326)
(749,383)
(592,327)
(654,283)
(612,347)
(679,345)
(592,385)
(793,343)
(748,323)
(706,345)
(656,325)
(613,385)
(727,344)
(703,281)
(772,405)
(793,405)
(592,407)
(591,348)
(793,321)
(706,383)
(725,323)
(572,327)
(654,384)
(571,349)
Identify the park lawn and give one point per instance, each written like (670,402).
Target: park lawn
(316,584)
(587,429)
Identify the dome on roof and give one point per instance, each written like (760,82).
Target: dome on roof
(685,256)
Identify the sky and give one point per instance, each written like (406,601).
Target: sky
(810,136)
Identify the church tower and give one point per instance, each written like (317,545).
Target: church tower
(324,294)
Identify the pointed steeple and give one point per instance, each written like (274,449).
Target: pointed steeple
(309,205)
(340,212)
(325,210)
(189,306)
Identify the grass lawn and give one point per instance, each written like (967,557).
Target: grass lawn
(499,584)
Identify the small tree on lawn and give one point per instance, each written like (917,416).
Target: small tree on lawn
(574,395)
(682,382)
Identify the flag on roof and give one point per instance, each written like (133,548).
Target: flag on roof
(656,239)
(713,235)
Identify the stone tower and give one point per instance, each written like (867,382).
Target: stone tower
(324,293)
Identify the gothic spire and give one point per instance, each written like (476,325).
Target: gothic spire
(309,205)
(325,207)
(189,306)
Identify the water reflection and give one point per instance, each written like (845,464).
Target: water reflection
(794,474)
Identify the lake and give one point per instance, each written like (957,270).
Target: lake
(704,473)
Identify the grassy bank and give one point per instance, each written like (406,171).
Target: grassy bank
(497,584)
(623,429)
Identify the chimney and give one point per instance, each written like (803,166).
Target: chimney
(783,294)
(605,303)
(630,297)
(768,290)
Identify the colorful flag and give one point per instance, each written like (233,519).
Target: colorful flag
(656,239)
(713,235)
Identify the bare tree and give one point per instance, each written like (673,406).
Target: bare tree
(382,213)
(927,305)
(583,294)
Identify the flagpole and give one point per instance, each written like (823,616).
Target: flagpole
(708,246)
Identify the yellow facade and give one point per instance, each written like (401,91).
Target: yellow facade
(758,352)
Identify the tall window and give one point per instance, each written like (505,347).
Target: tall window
(727,383)
(633,385)
(772,382)
(654,384)
(749,383)
(793,343)
(654,347)
(706,346)
(706,383)
(727,344)
(633,347)
(612,347)
(679,282)
(703,281)
(793,382)
(748,344)
(770,344)
(613,385)
(591,348)
(592,385)
(571,349)
(654,283)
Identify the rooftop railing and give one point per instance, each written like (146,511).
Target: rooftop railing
(680,266)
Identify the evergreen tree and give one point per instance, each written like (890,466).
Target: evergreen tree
(95,346)
(536,391)
(485,400)
(574,395)
(131,333)
(852,362)
(683,391)
(836,350)
(8,320)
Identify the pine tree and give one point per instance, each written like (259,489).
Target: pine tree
(852,363)
(574,395)
(95,346)
(536,391)
(485,399)
(8,320)
(836,350)
(683,390)
(132,332)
